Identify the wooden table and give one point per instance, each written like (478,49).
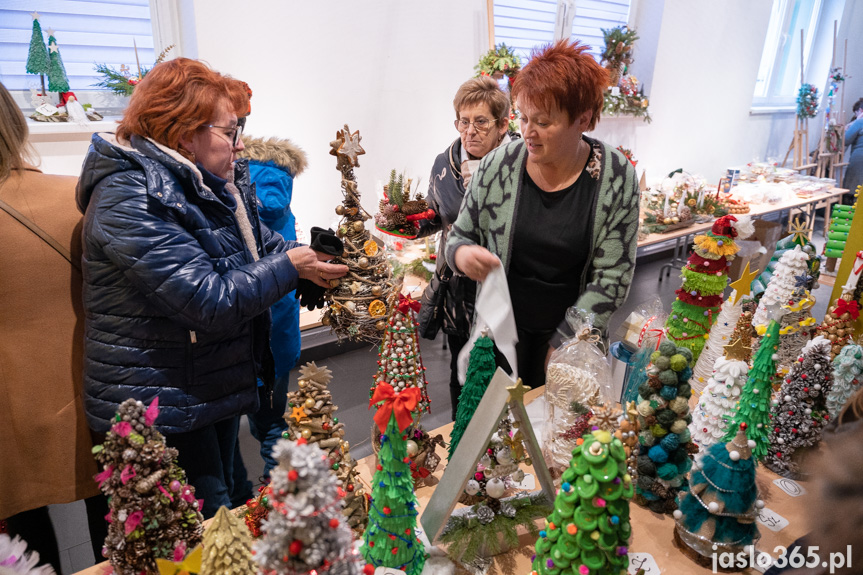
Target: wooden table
(652,533)
(808,205)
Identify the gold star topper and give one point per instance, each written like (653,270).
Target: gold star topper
(298,413)
(351,148)
(737,350)
(800,231)
(743,285)
(517,391)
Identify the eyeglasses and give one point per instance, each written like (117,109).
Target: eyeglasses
(481,124)
(235,133)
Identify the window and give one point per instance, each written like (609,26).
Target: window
(525,24)
(779,72)
(87,32)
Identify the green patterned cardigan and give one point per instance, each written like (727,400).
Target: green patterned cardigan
(488,213)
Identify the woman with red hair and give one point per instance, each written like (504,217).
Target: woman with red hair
(558,210)
(179,272)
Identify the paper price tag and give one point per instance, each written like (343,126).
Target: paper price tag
(389,571)
(772,520)
(643,562)
(790,487)
(47,110)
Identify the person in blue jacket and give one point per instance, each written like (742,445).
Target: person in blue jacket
(179,272)
(854,145)
(273,165)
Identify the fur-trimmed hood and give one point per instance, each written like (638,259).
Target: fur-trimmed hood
(281,152)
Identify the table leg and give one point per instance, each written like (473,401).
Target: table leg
(678,260)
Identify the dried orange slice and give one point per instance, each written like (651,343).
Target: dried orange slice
(371,248)
(377,308)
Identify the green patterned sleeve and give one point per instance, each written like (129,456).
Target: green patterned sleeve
(613,261)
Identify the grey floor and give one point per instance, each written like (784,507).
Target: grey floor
(352,376)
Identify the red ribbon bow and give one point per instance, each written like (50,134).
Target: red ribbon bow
(406,303)
(849,307)
(402,404)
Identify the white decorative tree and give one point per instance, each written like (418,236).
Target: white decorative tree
(720,336)
(305,530)
(847,376)
(792,265)
(718,402)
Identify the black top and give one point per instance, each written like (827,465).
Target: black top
(550,247)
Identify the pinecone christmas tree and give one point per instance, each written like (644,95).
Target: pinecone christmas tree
(718,513)
(390,540)
(400,214)
(357,304)
(795,328)
(154,513)
(753,409)
(589,530)
(705,277)
(228,546)
(400,364)
(305,531)
(720,336)
(311,416)
(847,376)
(665,440)
(718,402)
(800,411)
(792,265)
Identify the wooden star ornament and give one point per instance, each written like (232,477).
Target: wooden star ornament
(743,285)
(298,413)
(351,148)
(737,350)
(800,231)
(517,391)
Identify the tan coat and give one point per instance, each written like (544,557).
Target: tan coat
(45,443)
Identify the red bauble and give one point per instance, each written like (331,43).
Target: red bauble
(295,547)
(369,569)
(334,522)
(293,475)
(387,510)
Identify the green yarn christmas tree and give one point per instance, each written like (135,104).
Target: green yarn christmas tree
(57,80)
(589,530)
(37,57)
(704,279)
(754,406)
(390,540)
(480,370)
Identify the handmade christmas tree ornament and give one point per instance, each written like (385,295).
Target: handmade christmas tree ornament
(792,265)
(720,335)
(840,226)
(838,324)
(799,237)
(228,546)
(718,403)
(800,413)
(400,215)
(311,414)
(37,55)
(153,512)
(705,277)
(400,365)
(718,513)
(480,370)
(305,532)
(753,409)
(390,539)
(57,80)
(796,327)
(493,525)
(665,442)
(589,530)
(359,303)
(847,377)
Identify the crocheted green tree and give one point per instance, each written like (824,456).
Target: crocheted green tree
(57,80)
(480,370)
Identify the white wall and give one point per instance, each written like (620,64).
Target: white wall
(388,68)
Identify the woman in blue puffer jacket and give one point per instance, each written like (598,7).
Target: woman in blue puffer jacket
(179,272)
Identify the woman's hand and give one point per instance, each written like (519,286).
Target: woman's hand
(311,265)
(475,262)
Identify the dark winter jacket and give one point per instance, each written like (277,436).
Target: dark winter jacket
(273,165)
(176,305)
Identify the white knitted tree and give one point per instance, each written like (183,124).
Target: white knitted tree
(791,266)
(720,336)
(305,530)
(847,377)
(718,402)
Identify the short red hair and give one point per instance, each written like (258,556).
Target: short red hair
(563,75)
(178,97)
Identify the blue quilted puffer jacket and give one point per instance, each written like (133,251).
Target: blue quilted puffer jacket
(175,304)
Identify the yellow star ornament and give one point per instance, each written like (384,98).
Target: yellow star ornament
(737,350)
(191,565)
(800,231)
(298,413)
(742,286)
(517,391)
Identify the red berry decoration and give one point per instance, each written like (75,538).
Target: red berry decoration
(387,510)
(295,547)
(369,569)
(334,522)
(395,550)
(293,475)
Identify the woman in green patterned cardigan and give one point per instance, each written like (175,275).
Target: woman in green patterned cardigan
(558,210)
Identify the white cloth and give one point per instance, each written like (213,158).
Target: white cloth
(492,310)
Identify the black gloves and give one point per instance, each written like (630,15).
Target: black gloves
(310,294)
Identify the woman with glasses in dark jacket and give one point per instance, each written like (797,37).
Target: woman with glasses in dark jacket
(179,272)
